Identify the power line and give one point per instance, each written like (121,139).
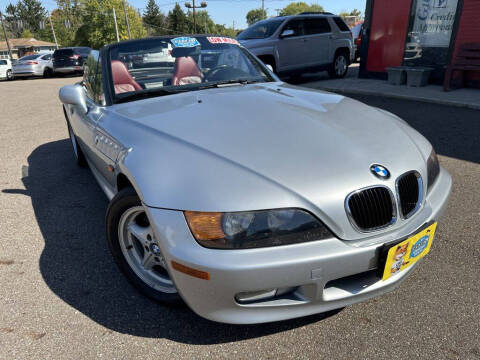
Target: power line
(163,28)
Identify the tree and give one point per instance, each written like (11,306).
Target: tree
(98,27)
(26,34)
(299,7)
(12,18)
(177,20)
(154,19)
(67,19)
(205,24)
(354,12)
(31,13)
(256,15)
(227,31)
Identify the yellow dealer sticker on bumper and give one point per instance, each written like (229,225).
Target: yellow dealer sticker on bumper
(408,252)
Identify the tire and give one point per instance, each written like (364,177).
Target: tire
(47,73)
(339,67)
(77,151)
(9,75)
(130,251)
(357,56)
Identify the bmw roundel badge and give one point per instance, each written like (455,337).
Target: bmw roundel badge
(380,171)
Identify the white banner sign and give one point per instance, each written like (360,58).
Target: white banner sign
(434,22)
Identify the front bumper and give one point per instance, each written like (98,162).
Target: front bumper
(325,275)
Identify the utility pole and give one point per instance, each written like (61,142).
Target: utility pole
(233,25)
(53,31)
(263,9)
(126,19)
(190,6)
(116,25)
(6,38)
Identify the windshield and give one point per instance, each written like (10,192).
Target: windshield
(356,30)
(63,52)
(29,57)
(83,50)
(260,30)
(162,66)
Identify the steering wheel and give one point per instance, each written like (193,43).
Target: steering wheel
(225,72)
(212,72)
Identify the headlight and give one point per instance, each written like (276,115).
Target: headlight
(433,169)
(256,229)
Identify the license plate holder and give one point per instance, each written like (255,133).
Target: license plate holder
(400,255)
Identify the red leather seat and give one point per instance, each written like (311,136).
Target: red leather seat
(186,72)
(122,80)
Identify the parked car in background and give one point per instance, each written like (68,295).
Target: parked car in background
(357,40)
(70,60)
(301,43)
(413,47)
(163,54)
(6,69)
(250,199)
(33,65)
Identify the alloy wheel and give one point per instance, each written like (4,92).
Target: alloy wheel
(340,65)
(142,252)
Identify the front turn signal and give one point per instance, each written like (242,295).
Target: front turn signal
(205,225)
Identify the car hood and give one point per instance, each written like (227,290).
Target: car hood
(263,146)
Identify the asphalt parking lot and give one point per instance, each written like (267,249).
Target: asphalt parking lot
(62,297)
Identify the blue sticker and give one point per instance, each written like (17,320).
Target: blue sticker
(185,42)
(419,246)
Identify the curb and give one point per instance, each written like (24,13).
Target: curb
(403,97)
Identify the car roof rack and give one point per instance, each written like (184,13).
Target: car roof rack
(315,13)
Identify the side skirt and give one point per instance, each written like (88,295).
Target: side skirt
(104,185)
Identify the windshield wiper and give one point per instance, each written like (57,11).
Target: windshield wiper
(219,84)
(145,94)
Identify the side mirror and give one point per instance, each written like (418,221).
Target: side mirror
(74,95)
(287,33)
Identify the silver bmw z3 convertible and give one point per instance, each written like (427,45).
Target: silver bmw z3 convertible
(250,199)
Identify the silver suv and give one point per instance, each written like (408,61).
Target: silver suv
(301,43)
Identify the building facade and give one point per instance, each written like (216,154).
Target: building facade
(418,33)
(24,46)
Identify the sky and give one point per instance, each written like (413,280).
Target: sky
(229,11)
